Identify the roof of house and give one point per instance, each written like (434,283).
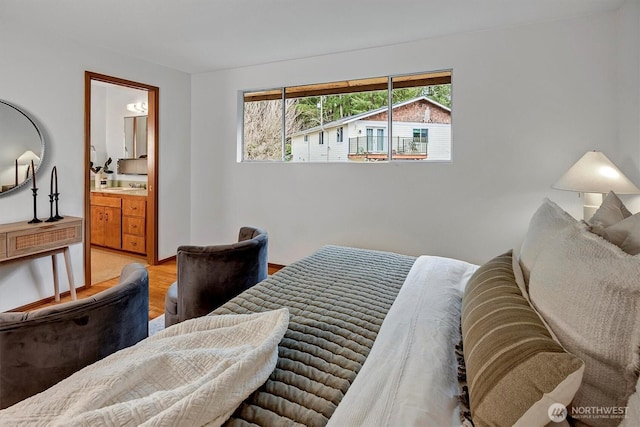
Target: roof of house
(360,116)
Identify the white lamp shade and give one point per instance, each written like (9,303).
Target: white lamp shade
(27,157)
(595,173)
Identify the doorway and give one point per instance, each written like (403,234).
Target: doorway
(151,238)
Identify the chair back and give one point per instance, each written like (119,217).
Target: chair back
(209,276)
(39,348)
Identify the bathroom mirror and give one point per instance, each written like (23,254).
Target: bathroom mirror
(135,136)
(21,143)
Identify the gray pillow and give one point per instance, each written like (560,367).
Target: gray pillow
(615,223)
(611,211)
(625,234)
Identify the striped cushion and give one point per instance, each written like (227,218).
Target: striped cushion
(515,370)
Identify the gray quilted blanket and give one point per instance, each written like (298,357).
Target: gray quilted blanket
(337,299)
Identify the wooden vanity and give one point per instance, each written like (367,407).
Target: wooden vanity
(118,221)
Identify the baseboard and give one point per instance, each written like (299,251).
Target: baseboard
(165,260)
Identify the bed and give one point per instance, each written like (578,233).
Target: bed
(338,298)
(360,337)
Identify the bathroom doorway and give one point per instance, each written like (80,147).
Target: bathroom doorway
(110,256)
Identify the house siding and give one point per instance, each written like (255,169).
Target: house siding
(313,151)
(439,137)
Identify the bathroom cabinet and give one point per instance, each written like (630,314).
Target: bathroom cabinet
(118,221)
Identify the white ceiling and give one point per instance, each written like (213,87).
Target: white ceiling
(205,35)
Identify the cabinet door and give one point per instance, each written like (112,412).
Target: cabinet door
(113,229)
(97,225)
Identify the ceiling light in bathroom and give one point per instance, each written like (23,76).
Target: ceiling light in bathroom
(138,107)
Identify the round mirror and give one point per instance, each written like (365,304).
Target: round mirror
(21,148)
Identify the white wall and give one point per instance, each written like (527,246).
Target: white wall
(527,101)
(45,77)
(98,124)
(628,81)
(117,99)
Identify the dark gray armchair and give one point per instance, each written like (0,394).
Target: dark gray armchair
(209,276)
(42,347)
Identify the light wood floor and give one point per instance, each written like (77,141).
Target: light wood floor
(160,278)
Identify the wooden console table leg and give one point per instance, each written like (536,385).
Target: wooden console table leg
(56,288)
(67,261)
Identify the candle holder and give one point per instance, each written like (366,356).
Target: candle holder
(53,196)
(51,217)
(35,219)
(34,189)
(56,194)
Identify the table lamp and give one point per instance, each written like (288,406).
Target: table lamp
(595,175)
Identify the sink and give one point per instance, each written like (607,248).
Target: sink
(121,189)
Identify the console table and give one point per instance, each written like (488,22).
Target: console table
(20,241)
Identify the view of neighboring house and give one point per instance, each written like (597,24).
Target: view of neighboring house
(421,131)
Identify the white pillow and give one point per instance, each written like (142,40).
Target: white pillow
(519,276)
(633,409)
(588,292)
(546,222)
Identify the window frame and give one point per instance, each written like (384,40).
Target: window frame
(402,80)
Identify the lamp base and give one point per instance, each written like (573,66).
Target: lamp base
(592,202)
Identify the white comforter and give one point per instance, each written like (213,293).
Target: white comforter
(194,373)
(410,376)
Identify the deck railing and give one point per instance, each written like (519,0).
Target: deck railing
(379,144)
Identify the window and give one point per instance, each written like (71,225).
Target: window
(369,139)
(276,124)
(262,140)
(420,135)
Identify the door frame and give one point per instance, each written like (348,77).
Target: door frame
(153,93)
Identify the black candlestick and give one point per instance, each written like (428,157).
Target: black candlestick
(57,216)
(51,217)
(53,196)
(56,194)
(35,219)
